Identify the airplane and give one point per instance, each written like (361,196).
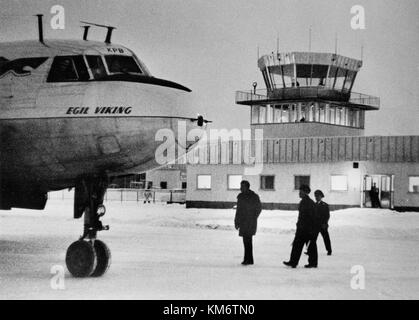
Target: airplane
(75,114)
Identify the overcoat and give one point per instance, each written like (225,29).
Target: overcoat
(247,213)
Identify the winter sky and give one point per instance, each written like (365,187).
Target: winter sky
(211,46)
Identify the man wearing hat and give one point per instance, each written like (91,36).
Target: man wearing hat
(306,231)
(322,216)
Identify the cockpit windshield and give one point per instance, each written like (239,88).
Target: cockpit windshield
(96,66)
(67,69)
(74,68)
(122,64)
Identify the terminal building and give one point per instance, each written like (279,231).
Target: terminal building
(313,133)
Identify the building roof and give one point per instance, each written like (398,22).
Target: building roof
(318,58)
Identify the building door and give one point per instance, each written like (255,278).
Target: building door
(378,191)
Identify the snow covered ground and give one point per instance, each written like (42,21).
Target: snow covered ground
(169,252)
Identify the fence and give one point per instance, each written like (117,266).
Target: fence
(137,195)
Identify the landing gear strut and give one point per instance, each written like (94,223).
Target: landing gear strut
(89,256)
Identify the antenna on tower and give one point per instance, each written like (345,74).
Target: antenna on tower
(258,52)
(336,43)
(362,52)
(277,44)
(309,40)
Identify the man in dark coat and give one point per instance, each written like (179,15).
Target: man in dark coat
(322,217)
(306,231)
(247,213)
(375,200)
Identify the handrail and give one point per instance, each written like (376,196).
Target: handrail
(317,92)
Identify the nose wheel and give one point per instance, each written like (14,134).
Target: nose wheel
(81,259)
(88,256)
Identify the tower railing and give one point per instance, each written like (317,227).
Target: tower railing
(294,93)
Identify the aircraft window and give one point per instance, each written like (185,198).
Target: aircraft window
(122,64)
(96,66)
(68,68)
(18,65)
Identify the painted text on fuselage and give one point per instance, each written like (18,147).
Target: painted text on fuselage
(99,110)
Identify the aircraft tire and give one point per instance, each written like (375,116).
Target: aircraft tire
(81,259)
(103,255)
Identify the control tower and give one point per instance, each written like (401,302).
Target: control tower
(308,94)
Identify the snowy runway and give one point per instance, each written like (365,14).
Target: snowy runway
(169,252)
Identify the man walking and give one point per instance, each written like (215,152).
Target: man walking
(247,213)
(306,231)
(322,216)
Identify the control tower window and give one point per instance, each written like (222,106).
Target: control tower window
(67,69)
(332,115)
(318,75)
(304,75)
(293,113)
(122,64)
(310,112)
(285,117)
(277,114)
(349,80)
(288,74)
(269,114)
(262,114)
(255,114)
(96,66)
(340,79)
(322,112)
(275,77)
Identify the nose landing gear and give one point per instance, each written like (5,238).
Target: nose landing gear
(89,256)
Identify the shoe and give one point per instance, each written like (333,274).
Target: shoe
(310,266)
(246,263)
(329,253)
(289,264)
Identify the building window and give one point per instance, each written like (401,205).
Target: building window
(163,184)
(255,114)
(184,185)
(300,180)
(262,114)
(414,184)
(233,181)
(285,113)
(339,183)
(269,114)
(204,181)
(277,114)
(267,182)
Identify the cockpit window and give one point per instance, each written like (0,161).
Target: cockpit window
(96,66)
(122,64)
(68,68)
(20,66)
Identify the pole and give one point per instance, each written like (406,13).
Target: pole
(309,40)
(336,43)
